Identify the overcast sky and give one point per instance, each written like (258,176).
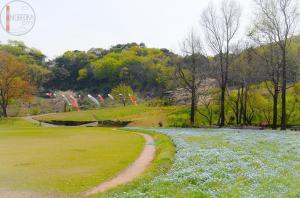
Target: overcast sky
(83,24)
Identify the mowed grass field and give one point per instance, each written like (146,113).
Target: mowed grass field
(141,115)
(62,161)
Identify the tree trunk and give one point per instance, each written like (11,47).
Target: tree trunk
(221,121)
(4,111)
(275,109)
(237,105)
(193,107)
(245,107)
(222,110)
(210,117)
(224,84)
(241,104)
(283,99)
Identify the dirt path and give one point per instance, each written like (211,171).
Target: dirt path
(133,171)
(30,119)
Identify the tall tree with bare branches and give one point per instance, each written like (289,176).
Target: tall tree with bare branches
(221,28)
(269,59)
(193,70)
(277,20)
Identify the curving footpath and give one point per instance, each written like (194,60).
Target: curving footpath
(129,174)
(30,119)
(133,171)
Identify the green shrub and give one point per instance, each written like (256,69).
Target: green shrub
(35,110)
(160,102)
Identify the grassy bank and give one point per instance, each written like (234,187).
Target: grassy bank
(15,122)
(140,115)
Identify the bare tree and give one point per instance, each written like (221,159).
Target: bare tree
(207,99)
(192,70)
(244,71)
(221,29)
(277,21)
(269,56)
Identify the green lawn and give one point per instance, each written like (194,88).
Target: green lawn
(62,160)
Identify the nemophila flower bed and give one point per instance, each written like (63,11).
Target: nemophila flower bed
(226,163)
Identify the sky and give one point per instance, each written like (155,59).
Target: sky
(84,24)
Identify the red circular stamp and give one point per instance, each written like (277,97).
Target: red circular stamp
(17,18)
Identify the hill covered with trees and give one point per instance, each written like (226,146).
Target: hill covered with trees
(146,70)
